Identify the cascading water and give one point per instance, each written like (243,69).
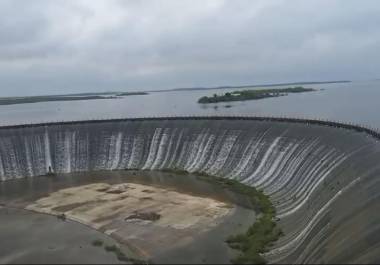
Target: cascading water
(316,176)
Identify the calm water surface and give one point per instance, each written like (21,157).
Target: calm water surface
(356,102)
(206,247)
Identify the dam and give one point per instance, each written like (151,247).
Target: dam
(323,178)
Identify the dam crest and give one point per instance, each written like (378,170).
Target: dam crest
(322,177)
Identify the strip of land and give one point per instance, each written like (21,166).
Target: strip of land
(147,219)
(242,95)
(68,97)
(100,204)
(132,94)
(254,86)
(35,99)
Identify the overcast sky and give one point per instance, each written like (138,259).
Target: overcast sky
(63,46)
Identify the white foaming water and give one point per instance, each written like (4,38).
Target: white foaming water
(282,167)
(293,244)
(160,155)
(153,149)
(248,158)
(47,151)
(67,151)
(290,169)
(177,147)
(10,160)
(289,173)
(213,152)
(184,154)
(202,154)
(291,196)
(137,146)
(38,154)
(28,159)
(2,174)
(223,154)
(116,152)
(307,168)
(278,158)
(306,194)
(196,149)
(166,150)
(125,151)
(263,160)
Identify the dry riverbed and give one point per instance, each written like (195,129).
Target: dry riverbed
(159,217)
(141,216)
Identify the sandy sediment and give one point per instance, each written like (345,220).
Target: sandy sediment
(100,204)
(139,215)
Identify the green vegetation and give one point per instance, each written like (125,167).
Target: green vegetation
(35,99)
(61,217)
(132,93)
(50,174)
(262,234)
(121,256)
(111,248)
(97,243)
(253,94)
(119,253)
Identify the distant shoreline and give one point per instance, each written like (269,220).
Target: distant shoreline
(248,86)
(252,94)
(69,97)
(116,94)
(132,94)
(37,99)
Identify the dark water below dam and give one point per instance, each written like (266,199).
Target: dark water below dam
(323,181)
(207,247)
(31,238)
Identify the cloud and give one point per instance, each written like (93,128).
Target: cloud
(49,47)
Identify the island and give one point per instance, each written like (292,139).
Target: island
(35,99)
(253,94)
(253,86)
(131,94)
(67,97)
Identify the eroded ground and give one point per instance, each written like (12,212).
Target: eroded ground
(155,216)
(140,216)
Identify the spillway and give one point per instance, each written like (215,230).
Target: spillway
(323,180)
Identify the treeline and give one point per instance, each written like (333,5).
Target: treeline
(35,99)
(253,94)
(132,93)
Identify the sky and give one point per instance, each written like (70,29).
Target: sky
(74,46)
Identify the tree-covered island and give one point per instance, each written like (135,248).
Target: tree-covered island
(253,94)
(132,94)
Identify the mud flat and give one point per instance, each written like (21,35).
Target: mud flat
(154,216)
(32,238)
(322,177)
(140,215)
(100,205)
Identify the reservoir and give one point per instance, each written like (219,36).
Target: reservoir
(355,102)
(195,216)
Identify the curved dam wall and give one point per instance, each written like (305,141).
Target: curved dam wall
(324,181)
